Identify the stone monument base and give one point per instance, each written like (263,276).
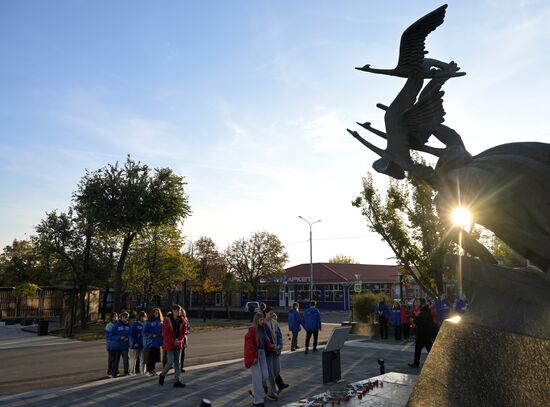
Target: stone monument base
(474,365)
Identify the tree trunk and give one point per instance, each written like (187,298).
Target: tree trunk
(104,302)
(203,306)
(170,297)
(73,300)
(86,277)
(227,298)
(82,303)
(185,300)
(117,295)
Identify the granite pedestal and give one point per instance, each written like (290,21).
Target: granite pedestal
(499,353)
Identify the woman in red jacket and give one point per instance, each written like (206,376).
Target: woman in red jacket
(174,330)
(254,358)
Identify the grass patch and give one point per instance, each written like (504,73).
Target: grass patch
(197,325)
(95,331)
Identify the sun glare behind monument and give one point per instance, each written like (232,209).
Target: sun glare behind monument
(461,216)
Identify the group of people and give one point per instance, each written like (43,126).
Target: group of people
(401,316)
(263,344)
(139,344)
(424,318)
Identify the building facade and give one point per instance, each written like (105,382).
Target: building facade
(333,285)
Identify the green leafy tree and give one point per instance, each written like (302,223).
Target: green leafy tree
(407,221)
(211,269)
(342,259)
(156,266)
(19,263)
(59,235)
(124,200)
(104,250)
(262,256)
(230,284)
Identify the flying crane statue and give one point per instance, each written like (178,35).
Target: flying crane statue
(506,188)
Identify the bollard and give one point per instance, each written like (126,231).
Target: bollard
(382,368)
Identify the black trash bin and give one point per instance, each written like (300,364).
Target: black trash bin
(43,328)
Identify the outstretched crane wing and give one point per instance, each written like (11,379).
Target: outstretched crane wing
(412,48)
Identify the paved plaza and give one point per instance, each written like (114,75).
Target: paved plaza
(226,383)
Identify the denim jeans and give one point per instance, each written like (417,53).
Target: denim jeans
(116,360)
(172,358)
(259,376)
(273,368)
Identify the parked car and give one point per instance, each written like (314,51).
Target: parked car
(252,306)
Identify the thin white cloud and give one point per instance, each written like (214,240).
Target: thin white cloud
(327,132)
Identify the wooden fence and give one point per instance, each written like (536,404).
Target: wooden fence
(50,302)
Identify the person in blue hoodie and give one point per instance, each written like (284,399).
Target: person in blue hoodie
(294,321)
(442,309)
(396,320)
(312,325)
(136,343)
(461,305)
(382,316)
(120,343)
(152,340)
(108,329)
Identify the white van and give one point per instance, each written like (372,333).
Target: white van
(252,306)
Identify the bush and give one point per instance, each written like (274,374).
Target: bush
(26,290)
(364,305)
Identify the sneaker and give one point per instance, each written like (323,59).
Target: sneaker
(179,384)
(297,347)
(315,350)
(413,365)
(306,351)
(270,397)
(292,349)
(283,386)
(161,379)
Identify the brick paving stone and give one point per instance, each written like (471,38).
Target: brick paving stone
(227,385)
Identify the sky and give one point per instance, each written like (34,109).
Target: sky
(249,101)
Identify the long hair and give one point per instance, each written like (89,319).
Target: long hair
(256,324)
(152,314)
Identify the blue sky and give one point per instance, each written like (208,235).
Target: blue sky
(249,100)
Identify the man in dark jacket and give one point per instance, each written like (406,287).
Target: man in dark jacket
(312,325)
(382,315)
(424,332)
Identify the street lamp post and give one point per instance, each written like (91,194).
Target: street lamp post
(184,287)
(310,256)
